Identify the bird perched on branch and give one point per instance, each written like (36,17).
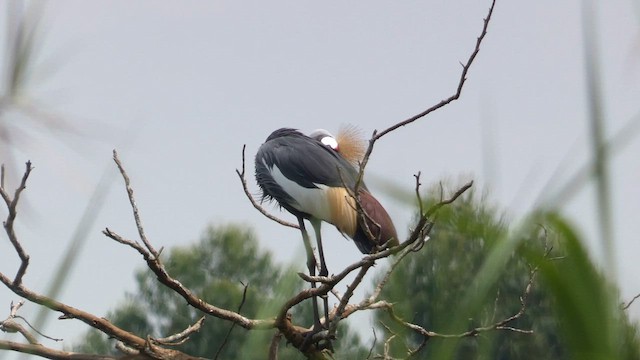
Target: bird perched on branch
(313,179)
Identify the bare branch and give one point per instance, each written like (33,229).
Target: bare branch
(12,205)
(67,311)
(19,289)
(226,338)
(420,205)
(375,136)
(463,77)
(373,343)
(387,343)
(70,312)
(181,337)
(293,333)
(346,297)
(158,269)
(45,352)
(627,305)
(36,330)
(156,266)
(450,200)
(15,307)
(134,207)
(12,326)
(420,231)
(126,349)
(275,343)
(262,210)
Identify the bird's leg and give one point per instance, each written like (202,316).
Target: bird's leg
(311,265)
(323,265)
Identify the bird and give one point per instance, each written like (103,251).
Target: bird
(309,177)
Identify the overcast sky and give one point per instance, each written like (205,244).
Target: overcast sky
(179,87)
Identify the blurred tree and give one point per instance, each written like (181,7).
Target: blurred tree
(216,268)
(427,287)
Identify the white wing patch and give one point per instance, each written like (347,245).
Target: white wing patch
(311,201)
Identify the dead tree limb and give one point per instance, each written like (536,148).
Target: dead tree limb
(17,286)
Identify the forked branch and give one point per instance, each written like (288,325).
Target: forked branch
(155,264)
(456,95)
(68,312)
(12,206)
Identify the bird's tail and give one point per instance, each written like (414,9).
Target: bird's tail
(378,222)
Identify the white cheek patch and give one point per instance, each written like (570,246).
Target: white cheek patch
(311,201)
(330,142)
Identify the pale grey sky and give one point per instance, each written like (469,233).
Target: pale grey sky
(187,83)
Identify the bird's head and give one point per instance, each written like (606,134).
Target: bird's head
(348,143)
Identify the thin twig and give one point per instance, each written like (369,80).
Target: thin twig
(420,205)
(181,337)
(36,330)
(448,201)
(161,273)
(333,327)
(15,307)
(625,307)
(134,207)
(387,343)
(226,338)
(262,210)
(461,81)
(373,343)
(16,285)
(463,77)
(371,302)
(12,205)
(156,266)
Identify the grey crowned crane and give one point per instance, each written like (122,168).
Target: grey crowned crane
(309,177)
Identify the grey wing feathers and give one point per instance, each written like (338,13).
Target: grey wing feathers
(306,161)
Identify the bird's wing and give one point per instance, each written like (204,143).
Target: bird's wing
(307,162)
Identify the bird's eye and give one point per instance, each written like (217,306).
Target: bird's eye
(330,142)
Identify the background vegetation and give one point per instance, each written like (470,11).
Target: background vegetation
(474,269)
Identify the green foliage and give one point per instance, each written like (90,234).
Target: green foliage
(592,321)
(215,268)
(473,272)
